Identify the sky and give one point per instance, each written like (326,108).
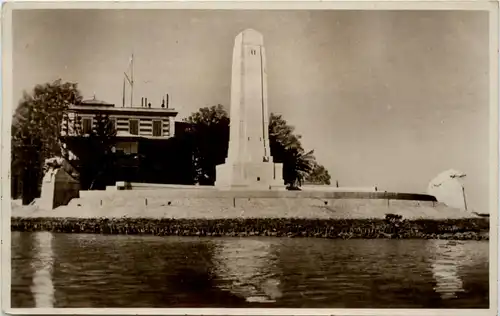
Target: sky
(385,98)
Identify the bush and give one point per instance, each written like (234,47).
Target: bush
(349,228)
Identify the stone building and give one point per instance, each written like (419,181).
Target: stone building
(132,124)
(146,147)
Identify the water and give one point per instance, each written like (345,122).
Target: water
(73,270)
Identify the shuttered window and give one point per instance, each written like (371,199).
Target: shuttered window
(86,125)
(134,127)
(157,127)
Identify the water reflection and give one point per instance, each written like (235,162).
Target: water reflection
(133,271)
(248,268)
(149,271)
(444,266)
(450,260)
(42,264)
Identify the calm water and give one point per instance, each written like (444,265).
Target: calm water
(72,270)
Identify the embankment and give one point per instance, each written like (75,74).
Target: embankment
(265,213)
(213,204)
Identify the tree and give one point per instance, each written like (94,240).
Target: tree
(96,155)
(209,136)
(318,175)
(36,127)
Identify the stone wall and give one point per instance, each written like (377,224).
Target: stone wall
(214,204)
(331,193)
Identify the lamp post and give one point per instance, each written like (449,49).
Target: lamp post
(463,190)
(465,200)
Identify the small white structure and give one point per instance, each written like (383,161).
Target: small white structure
(60,184)
(447,187)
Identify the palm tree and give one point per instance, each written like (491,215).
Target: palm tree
(298,165)
(286,148)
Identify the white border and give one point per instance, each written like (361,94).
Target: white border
(7,76)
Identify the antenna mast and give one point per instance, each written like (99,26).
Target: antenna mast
(132,82)
(123,93)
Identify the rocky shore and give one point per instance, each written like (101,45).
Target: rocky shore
(393,226)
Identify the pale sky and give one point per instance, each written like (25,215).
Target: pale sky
(386,98)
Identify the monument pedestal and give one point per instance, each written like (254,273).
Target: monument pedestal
(250,175)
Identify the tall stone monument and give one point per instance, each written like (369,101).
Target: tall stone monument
(249,164)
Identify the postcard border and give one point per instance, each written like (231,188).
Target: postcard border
(7,98)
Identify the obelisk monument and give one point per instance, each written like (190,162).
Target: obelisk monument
(249,164)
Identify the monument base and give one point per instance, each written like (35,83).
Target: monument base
(250,176)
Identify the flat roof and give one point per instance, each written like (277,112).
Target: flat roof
(124,110)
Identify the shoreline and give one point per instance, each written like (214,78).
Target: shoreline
(369,228)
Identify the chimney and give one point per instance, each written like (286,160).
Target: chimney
(145,102)
(142,102)
(167,100)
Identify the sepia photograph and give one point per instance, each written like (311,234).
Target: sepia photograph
(249,157)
